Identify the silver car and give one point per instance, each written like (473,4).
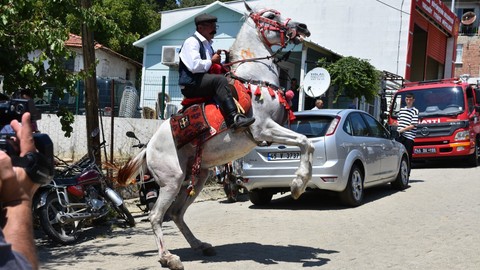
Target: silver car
(353,151)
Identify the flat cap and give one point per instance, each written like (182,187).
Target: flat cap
(205,18)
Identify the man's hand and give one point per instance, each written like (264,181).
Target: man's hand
(18,188)
(216,59)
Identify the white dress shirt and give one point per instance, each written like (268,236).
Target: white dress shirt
(190,54)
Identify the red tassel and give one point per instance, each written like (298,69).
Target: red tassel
(257,91)
(272,93)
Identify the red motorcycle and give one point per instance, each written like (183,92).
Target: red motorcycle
(77,194)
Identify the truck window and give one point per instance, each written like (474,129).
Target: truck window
(433,101)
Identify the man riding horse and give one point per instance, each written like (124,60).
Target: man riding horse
(196,59)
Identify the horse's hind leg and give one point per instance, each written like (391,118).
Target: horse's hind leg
(178,209)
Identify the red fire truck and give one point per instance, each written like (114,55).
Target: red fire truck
(449,118)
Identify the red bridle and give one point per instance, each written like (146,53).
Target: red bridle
(264,24)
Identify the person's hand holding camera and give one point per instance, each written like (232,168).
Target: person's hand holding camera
(16,192)
(19,187)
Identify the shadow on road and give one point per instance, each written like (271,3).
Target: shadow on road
(263,254)
(443,164)
(324,200)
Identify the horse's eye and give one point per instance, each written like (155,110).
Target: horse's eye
(270,16)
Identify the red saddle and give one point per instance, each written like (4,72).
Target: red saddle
(200,118)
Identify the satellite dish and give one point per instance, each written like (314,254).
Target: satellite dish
(468,18)
(316,82)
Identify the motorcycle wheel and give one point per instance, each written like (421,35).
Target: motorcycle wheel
(231,190)
(63,233)
(151,204)
(123,213)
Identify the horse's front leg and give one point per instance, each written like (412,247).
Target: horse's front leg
(179,207)
(273,132)
(304,171)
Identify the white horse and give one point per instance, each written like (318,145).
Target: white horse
(172,167)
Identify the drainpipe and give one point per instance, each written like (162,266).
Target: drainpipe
(303,67)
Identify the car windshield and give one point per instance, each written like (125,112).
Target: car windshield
(311,126)
(433,102)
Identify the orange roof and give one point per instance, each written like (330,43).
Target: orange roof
(76,41)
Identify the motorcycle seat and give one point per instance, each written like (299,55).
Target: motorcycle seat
(66,181)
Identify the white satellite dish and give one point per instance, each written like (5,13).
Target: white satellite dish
(316,82)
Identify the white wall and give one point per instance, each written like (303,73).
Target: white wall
(75,147)
(373,30)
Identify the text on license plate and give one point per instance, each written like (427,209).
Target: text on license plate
(425,151)
(284,156)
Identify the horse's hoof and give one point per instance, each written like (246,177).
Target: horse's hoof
(295,189)
(209,251)
(172,262)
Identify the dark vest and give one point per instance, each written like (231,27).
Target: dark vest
(186,77)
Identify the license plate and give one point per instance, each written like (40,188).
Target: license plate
(283,156)
(425,151)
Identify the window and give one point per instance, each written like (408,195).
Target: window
(375,127)
(127,74)
(358,125)
(458,59)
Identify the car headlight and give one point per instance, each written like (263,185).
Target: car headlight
(462,136)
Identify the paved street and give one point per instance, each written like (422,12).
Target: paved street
(434,224)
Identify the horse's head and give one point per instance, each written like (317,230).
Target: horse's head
(276,30)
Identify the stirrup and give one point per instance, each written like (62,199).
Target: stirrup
(238,125)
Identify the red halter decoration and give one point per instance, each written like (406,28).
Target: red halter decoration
(263,24)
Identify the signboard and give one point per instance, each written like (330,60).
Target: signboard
(439,13)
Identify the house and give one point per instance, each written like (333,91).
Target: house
(467,62)
(413,39)
(110,63)
(113,70)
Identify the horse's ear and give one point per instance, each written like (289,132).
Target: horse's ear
(247,7)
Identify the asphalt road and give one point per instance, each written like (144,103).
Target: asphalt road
(434,224)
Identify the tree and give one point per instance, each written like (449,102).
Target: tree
(32,50)
(122,23)
(192,3)
(354,77)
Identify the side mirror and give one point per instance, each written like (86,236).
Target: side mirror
(130,134)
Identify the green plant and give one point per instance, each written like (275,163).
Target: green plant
(354,77)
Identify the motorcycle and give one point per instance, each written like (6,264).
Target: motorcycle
(77,194)
(148,191)
(232,183)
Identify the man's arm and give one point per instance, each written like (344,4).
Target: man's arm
(16,192)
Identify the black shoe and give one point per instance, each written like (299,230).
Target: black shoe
(241,122)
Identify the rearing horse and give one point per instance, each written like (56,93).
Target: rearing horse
(172,167)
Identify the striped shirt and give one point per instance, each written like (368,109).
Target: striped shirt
(407,117)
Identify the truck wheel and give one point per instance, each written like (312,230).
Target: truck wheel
(473,158)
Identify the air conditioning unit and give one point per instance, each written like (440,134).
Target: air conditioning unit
(170,55)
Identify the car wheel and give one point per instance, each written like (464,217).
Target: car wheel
(401,182)
(353,193)
(260,196)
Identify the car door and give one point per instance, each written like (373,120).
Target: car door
(368,145)
(388,153)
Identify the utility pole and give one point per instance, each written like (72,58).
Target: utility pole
(91,92)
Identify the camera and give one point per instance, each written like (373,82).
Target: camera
(38,165)
(14,109)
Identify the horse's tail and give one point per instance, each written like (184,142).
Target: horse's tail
(133,167)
